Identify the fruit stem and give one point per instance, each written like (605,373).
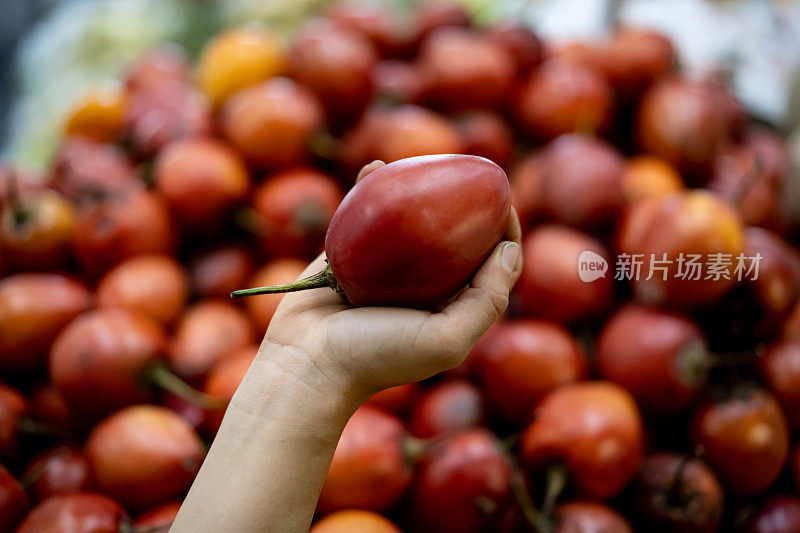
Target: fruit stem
(520,490)
(29,426)
(20,214)
(320,279)
(323,144)
(556,481)
(160,375)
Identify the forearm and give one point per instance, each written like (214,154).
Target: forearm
(268,462)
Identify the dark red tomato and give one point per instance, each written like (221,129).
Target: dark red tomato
(294,209)
(678,493)
(681,121)
(776,514)
(13,406)
(486,134)
(519,362)
(99,360)
(390,35)
(49,406)
(460,484)
(159,516)
(682,231)
(390,255)
(447,408)
(589,517)
(397,82)
(633,58)
(524,46)
(463,69)
(527,176)
(33,309)
(780,366)
(206,332)
(430,16)
(86,171)
(272,123)
(659,357)
(62,470)
(121,227)
(563,97)
(14,502)
(200,178)
(550,285)
(746,440)
(574,164)
(144,454)
(369,468)
(595,429)
(81,512)
(218,272)
(395,399)
(334,63)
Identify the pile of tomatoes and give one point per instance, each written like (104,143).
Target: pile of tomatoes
(651,402)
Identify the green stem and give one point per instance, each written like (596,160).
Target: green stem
(524,500)
(320,279)
(556,481)
(160,375)
(29,426)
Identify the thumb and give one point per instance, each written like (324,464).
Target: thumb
(482,303)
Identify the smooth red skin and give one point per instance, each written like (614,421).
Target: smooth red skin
(334,63)
(272,123)
(395,399)
(549,285)
(524,46)
(61,470)
(777,288)
(155,285)
(447,408)
(397,81)
(13,405)
(574,164)
(354,521)
(43,240)
(688,222)
(703,496)
(406,249)
(122,227)
(776,514)
(14,502)
(463,69)
(165,65)
(33,309)
(144,454)
(640,348)
(390,36)
(294,209)
(595,429)
(369,469)
(589,517)
(48,405)
(780,367)
(682,122)
(222,382)
(82,512)
(527,176)
(746,440)
(486,134)
(220,271)
(200,178)
(633,58)
(164,113)
(262,308)
(455,479)
(84,170)
(430,16)
(205,333)
(158,516)
(98,361)
(563,97)
(519,362)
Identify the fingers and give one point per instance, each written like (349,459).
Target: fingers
(366,169)
(482,303)
(513,228)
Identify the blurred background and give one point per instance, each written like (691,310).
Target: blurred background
(83,42)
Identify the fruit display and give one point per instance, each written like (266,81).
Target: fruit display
(646,376)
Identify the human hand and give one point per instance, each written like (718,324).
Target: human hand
(361,351)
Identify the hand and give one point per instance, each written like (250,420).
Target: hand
(364,350)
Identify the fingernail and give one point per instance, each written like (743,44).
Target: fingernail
(509,256)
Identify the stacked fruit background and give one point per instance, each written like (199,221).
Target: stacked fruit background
(623,401)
